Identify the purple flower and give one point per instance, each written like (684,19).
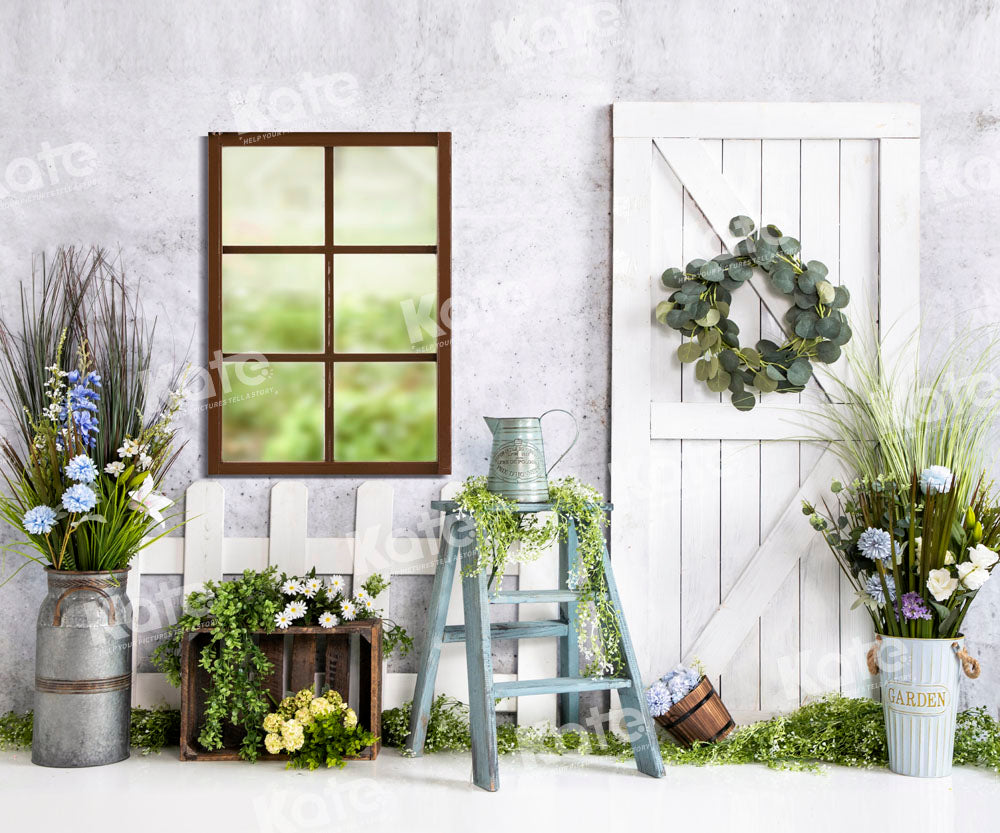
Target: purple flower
(681,682)
(914,607)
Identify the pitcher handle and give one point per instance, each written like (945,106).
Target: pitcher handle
(576,426)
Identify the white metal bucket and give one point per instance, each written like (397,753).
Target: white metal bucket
(919,680)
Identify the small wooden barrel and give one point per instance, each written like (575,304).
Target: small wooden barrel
(701,716)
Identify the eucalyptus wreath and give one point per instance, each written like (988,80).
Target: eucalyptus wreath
(699,308)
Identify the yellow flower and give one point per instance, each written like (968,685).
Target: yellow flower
(273,743)
(272,723)
(303,697)
(304,716)
(350,719)
(335,699)
(292,735)
(320,707)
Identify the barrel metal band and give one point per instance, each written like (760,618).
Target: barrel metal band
(50,686)
(673,724)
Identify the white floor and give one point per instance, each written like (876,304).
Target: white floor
(544,793)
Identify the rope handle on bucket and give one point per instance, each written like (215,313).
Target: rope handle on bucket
(970,665)
(57,615)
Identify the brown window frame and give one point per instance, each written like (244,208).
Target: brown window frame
(327,466)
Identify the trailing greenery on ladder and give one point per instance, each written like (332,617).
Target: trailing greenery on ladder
(499,527)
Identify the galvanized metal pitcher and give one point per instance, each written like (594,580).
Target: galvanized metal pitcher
(83,670)
(517,465)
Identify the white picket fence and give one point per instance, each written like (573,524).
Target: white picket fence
(204,552)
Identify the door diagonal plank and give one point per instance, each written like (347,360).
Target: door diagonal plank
(764,574)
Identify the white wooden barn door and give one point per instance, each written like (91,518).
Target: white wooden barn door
(715,559)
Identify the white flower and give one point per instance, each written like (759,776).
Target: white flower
(368,605)
(282,619)
(311,587)
(348,610)
(296,610)
(361,594)
(290,587)
(949,557)
(114,469)
(942,584)
(337,584)
(327,620)
(145,461)
(148,501)
(273,744)
(129,448)
(972,575)
(982,556)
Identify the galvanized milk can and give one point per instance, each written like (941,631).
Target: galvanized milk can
(517,464)
(83,670)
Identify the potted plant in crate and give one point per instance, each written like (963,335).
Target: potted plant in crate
(685,703)
(916,533)
(82,474)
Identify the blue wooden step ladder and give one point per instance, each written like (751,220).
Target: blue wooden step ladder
(458,546)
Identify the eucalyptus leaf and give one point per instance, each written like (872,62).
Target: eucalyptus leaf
(765,252)
(745,247)
(740,271)
(828,328)
(694,267)
(818,269)
(765,383)
(805,327)
(677,318)
(844,336)
(672,278)
(729,360)
(751,357)
(772,234)
(827,352)
(701,370)
(841,297)
(719,382)
(743,400)
(804,301)
(662,309)
(741,226)
(783,279)
(807,282)
(722,307)
(826,292)
(710,318)
(799,372)
(711,271)
(790,246)
(765,345)
(689,352)
(774,372)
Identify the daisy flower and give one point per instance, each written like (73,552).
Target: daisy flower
(327,620)
(368,605)
(129,448)
(311,587)
(348,610)
(361,595)
(282,619)
(337,584)
(291,587)
(114,469)
(296,610)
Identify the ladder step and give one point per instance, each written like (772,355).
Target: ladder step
(512,630)
(522,597)
(558,685)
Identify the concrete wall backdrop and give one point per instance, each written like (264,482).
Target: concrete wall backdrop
(111,102)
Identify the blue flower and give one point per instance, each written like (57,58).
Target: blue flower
(659,699)
(936,479)
(681,682)
(875,544)
(40,520)
(81,469)
(873,587)
(79,498)
(73,377)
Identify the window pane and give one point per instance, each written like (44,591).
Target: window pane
(272,303)
(384,303)
(272,412)
(273,195)
(385,411)
(385,196)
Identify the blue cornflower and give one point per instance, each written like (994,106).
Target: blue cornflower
(875,544)
(81,469)
(659,699)
(936,479)
(873,587)
(79,498)
(40,520)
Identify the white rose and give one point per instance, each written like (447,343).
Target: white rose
(982,556)
(972,575)
(941,584)
(949,557)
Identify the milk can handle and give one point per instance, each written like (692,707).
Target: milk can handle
(575,438)
(57,614)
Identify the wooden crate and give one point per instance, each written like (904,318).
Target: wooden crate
(328,649)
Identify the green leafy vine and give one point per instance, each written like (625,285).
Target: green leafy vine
(499,526)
